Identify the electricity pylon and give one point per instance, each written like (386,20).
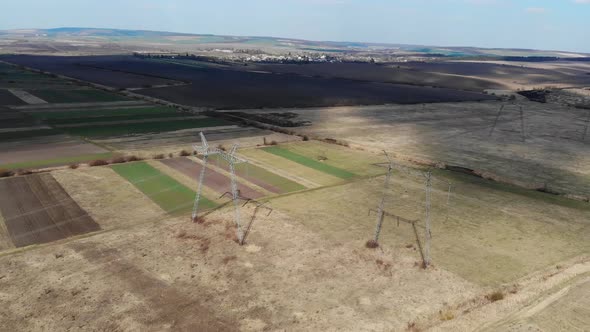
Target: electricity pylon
(428,234)
(380,212)
(232,160)
(205,151)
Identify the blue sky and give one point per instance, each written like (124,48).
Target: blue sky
(539,24)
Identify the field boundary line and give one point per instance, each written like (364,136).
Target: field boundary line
(272,169)
(212,166)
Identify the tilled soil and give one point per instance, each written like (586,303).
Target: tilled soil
(213,179)
(36,209)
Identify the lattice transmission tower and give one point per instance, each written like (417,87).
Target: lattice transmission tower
(232,160)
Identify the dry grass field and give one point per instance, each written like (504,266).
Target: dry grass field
(551,152)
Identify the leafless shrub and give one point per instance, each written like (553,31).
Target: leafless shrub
(412,327)
(98,162)
(159,156)
(171,155)
(446,315)
(73,166)
(305,138)
(132,158)
(184,153)
(199,220)
(23,172)
(221,147)
(495,296)
(118,160)
(372,244)
(228,259)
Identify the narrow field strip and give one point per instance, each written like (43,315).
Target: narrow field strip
(15,135)
(107,113)
(213,179)
(141,128)
(57,161)
(172,196)
(126,120)
(76,96)
(305,161)
(260,176)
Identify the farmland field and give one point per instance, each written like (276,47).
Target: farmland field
(305,161)
(209,85)
(144,127)
(358,162)
(105,113)
(303,175)
(509,212)
(41,151)
(76,96)
(213,179)
(36,210)
(260,176)
(169,194)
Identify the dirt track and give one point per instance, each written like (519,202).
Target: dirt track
(36,209)
(213,179)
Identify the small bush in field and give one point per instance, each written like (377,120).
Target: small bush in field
(73,166)
(98,162)
(118,160)
(274,143)
(159,156)
(305,138)
(171,155)
(132,158)
(184,153)
(5,173)
(23,172)
(495,296)
(372,244)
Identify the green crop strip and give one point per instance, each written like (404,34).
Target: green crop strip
(305,161)
(172,196)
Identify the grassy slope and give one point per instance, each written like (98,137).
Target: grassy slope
(317,165)
(488,235)
(148,127)
(168,193)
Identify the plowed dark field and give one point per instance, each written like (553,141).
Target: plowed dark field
(36,209)
(213,179)
(235,87)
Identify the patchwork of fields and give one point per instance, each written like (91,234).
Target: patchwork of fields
(115,225)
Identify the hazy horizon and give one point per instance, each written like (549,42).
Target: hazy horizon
(559,25)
